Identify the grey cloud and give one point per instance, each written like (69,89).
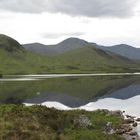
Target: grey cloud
(89,8)
(57,35)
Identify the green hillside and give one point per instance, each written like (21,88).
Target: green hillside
(19,62)
(15,60)
(9,44)
(89,59)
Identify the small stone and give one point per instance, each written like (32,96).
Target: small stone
(128,116)
(83,120)
(108,129)
(131,117)
(128,121)
(120,131)
(138,119)
(133,133)
(135,124)
(126,127)
(116,113)
(134,138)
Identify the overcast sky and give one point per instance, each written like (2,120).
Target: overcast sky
(105,22)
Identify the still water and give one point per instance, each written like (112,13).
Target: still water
(86,92)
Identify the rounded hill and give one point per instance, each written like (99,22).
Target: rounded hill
(9,44)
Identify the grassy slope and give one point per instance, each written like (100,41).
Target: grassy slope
(9,43)
(41,123)
(21,62)
(83,60)
(89,59)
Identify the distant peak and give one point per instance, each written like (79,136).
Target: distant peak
(35,43)
(123,45)
(74,39)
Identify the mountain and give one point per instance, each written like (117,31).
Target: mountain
(64,46)
(70,56)
(70,44)
(39,48)
(14,59)
(124,50)
(75,43)
(9,44)
(90,59)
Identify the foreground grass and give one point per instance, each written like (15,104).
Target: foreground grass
(41,123)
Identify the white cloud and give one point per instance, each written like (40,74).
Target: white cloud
(45,27)
(57,35)
(90,8)
(50,28)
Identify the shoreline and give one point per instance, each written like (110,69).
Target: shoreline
(31,77)
(130,129)
(101,124)
(129,105)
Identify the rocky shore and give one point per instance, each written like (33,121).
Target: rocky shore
(128,129)
(19,122)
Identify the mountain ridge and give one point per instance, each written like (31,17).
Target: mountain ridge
(64,46)
(123,49)
(74,43)
(84,59)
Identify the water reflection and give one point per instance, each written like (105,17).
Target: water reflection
(70,91)
(125,93)
(62,98)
